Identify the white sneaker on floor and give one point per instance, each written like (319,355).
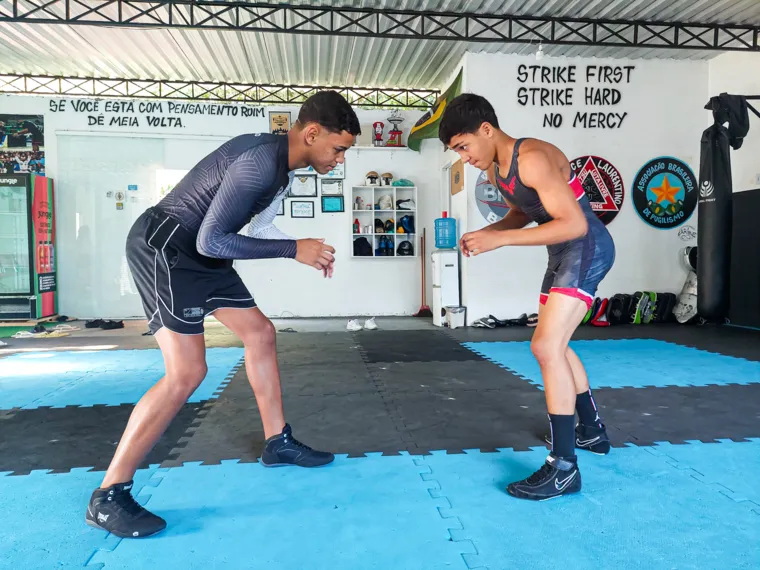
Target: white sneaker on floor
(353,325)
(370,325)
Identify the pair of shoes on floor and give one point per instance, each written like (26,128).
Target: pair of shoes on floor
(106,325)
(491,322)
(114,510)
(560,475)
(39,331)
(354,325)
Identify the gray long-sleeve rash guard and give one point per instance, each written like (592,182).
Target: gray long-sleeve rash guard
(221,194)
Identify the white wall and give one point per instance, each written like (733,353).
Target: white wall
(664,104)
(359,286)
(739,74)
(89,160)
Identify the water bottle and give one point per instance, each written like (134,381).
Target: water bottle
(445,232)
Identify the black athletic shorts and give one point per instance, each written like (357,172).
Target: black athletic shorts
(178,285)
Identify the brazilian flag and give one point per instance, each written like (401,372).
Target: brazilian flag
(427,126)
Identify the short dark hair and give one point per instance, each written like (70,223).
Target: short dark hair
(465,114)
(331,110)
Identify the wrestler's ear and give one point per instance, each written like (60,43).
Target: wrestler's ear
(487,130)
(311,133)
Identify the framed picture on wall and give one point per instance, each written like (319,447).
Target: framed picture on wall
(22,144)
(332,204)
(306,171)
(281,209)
(457,177)
(302,209)
(279,122)
(339,172)
(303,186)
(331,187)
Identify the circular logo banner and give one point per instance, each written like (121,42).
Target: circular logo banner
(491,204)
(603,185)
(665,192)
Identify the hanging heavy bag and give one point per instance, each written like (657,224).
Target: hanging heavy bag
(715,206)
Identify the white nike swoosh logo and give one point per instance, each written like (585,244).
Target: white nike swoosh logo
(586,442)
(560,485)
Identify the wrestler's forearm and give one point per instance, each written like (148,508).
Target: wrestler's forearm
(515,219)
(555,231)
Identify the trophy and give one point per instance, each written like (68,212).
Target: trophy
(394,136)
(378,126)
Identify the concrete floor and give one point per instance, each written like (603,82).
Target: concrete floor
(131,336)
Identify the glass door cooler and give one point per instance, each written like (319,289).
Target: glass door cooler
(28,284)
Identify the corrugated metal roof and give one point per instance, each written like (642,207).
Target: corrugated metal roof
(254,57)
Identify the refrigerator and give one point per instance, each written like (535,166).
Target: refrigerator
(28,268)
(445,270)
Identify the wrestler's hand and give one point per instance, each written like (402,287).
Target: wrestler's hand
(328,271)
(463,246)
(315,253)
(481,241)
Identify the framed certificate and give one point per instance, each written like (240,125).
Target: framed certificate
(331,187)
(303,186)
(339,172)
(302,209)
(279,122)
(332,204)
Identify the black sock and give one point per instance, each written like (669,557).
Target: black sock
(587,411)
(563,435)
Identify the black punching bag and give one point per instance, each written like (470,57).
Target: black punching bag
(714,222)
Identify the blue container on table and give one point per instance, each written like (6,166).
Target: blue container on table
(445,232)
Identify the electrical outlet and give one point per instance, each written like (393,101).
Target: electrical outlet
(757,179)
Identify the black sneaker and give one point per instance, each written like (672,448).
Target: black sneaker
(113,509)
(284,449)
(558,476)
(590,438)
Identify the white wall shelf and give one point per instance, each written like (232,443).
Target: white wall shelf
(371,147)
(379,240)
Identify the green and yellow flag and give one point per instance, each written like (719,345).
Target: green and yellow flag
(427,126)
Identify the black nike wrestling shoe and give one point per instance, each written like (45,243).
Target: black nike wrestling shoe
(283,449)
(113,509)
(590,438)
(558,476)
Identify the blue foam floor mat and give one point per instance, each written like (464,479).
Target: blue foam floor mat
(43,519)
(635,511)
(723,466)
(630,363)
(641,507)
(83,378)
(370,512)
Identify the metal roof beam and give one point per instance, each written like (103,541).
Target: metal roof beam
(208,91)
(382,23)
